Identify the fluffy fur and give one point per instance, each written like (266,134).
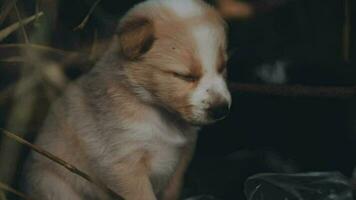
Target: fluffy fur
(132,121)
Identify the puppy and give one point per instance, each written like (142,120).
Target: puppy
(132,122)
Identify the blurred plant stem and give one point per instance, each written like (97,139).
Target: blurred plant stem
(86,19)
(12,28)
(22,25)
(7,188)
(2,195)
(20,115)
(34,71)
(62,163)
(19,118)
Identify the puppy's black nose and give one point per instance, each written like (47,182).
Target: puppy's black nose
(219,111)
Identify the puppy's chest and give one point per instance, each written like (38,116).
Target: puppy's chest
(162,164)
(163,142)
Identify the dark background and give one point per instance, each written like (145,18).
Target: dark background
(264,133)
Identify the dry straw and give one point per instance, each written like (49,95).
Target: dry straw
(7,188)
(61,162)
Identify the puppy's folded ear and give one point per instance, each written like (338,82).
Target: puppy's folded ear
(135,36)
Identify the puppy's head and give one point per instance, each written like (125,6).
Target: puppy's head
(174,56)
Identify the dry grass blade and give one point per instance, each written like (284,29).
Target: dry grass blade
(22,26)
(12,28)
(6,8)
(7,188)
(61,162)
(86,19)
(38,47)
(58,55)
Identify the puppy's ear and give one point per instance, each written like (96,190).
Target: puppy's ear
(136,37)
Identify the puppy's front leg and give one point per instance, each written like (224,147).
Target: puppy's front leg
(46,185)
(173,189)
(131,181)
(136,187)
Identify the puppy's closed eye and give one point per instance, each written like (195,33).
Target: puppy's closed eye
(186,77)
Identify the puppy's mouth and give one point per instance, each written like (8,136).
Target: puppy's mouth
(207,117)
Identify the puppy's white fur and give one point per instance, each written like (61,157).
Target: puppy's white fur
(212,82)
(128,123)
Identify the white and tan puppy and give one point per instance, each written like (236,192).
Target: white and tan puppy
(132,122)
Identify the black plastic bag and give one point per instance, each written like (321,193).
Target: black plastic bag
(307,186)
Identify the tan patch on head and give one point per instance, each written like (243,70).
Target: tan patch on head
(172,54)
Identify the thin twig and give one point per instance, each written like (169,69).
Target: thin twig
(64,57)
(12,28)
(37,10)
(22,26)
(295,90)
(7,188)
(61,162)
(86,19)
(38,47)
